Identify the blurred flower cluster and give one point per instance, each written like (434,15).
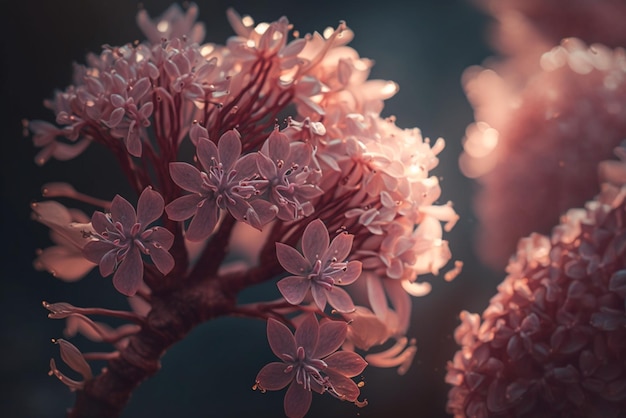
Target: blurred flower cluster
(263,155)
(553,340)
(549,111)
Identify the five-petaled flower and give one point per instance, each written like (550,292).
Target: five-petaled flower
(321,269)
(310,361)
(122,236)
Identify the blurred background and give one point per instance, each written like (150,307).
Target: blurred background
(423,45)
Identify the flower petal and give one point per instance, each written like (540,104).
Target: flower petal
(339,299)
(300,153)
(100,222)
(332,336)
(95,250)
(315,240)
(278,146)
(108,263)
(340,247)
(266,166)
(294,288)
(123,212)
(346,388)
(207,153)
(115,118)
(129,274)
(63,264)
(162,259)
(133,140)
(273,376)
(319,296)
(246,166)
(74,358)
(187,177)
(352,272)
(281,339)
(265,212)
(198,132)
(229,147)
(162,236)
(184,207)
(307,334)
(346,363)
(204,222)
(297,401)
(149,207)
(140,88)
(376,296)
(239,208)
(291,260)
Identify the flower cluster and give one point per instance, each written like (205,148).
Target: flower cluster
(550,101)
(554,20)
(553,340)
(336,195)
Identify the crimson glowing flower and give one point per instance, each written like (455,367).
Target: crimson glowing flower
(122,236)
(310,361)
(553,340)
(322,268)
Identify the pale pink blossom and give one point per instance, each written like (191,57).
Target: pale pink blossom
(122,236)
(551,342)
(45,136)
(70,231)
(598,21)
(173,23)
(321,269)
(285,168)
(570,108)
(310,362)
(222,185)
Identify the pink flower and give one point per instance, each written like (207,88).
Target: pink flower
(322,268)
(45,136)
(592,21)
(222,185)
(285,167)
(128,117)
(173,23)
(562,119)
(69,230)
(122,236)
(552,341)
(310,361)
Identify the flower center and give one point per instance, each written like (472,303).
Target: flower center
(307,369)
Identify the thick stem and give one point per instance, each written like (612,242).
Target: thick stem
(172,316)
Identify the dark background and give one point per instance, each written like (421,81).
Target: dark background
(422,45)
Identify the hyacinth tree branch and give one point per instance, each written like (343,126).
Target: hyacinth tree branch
(334,204)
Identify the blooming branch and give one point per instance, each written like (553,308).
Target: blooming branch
(336,195)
